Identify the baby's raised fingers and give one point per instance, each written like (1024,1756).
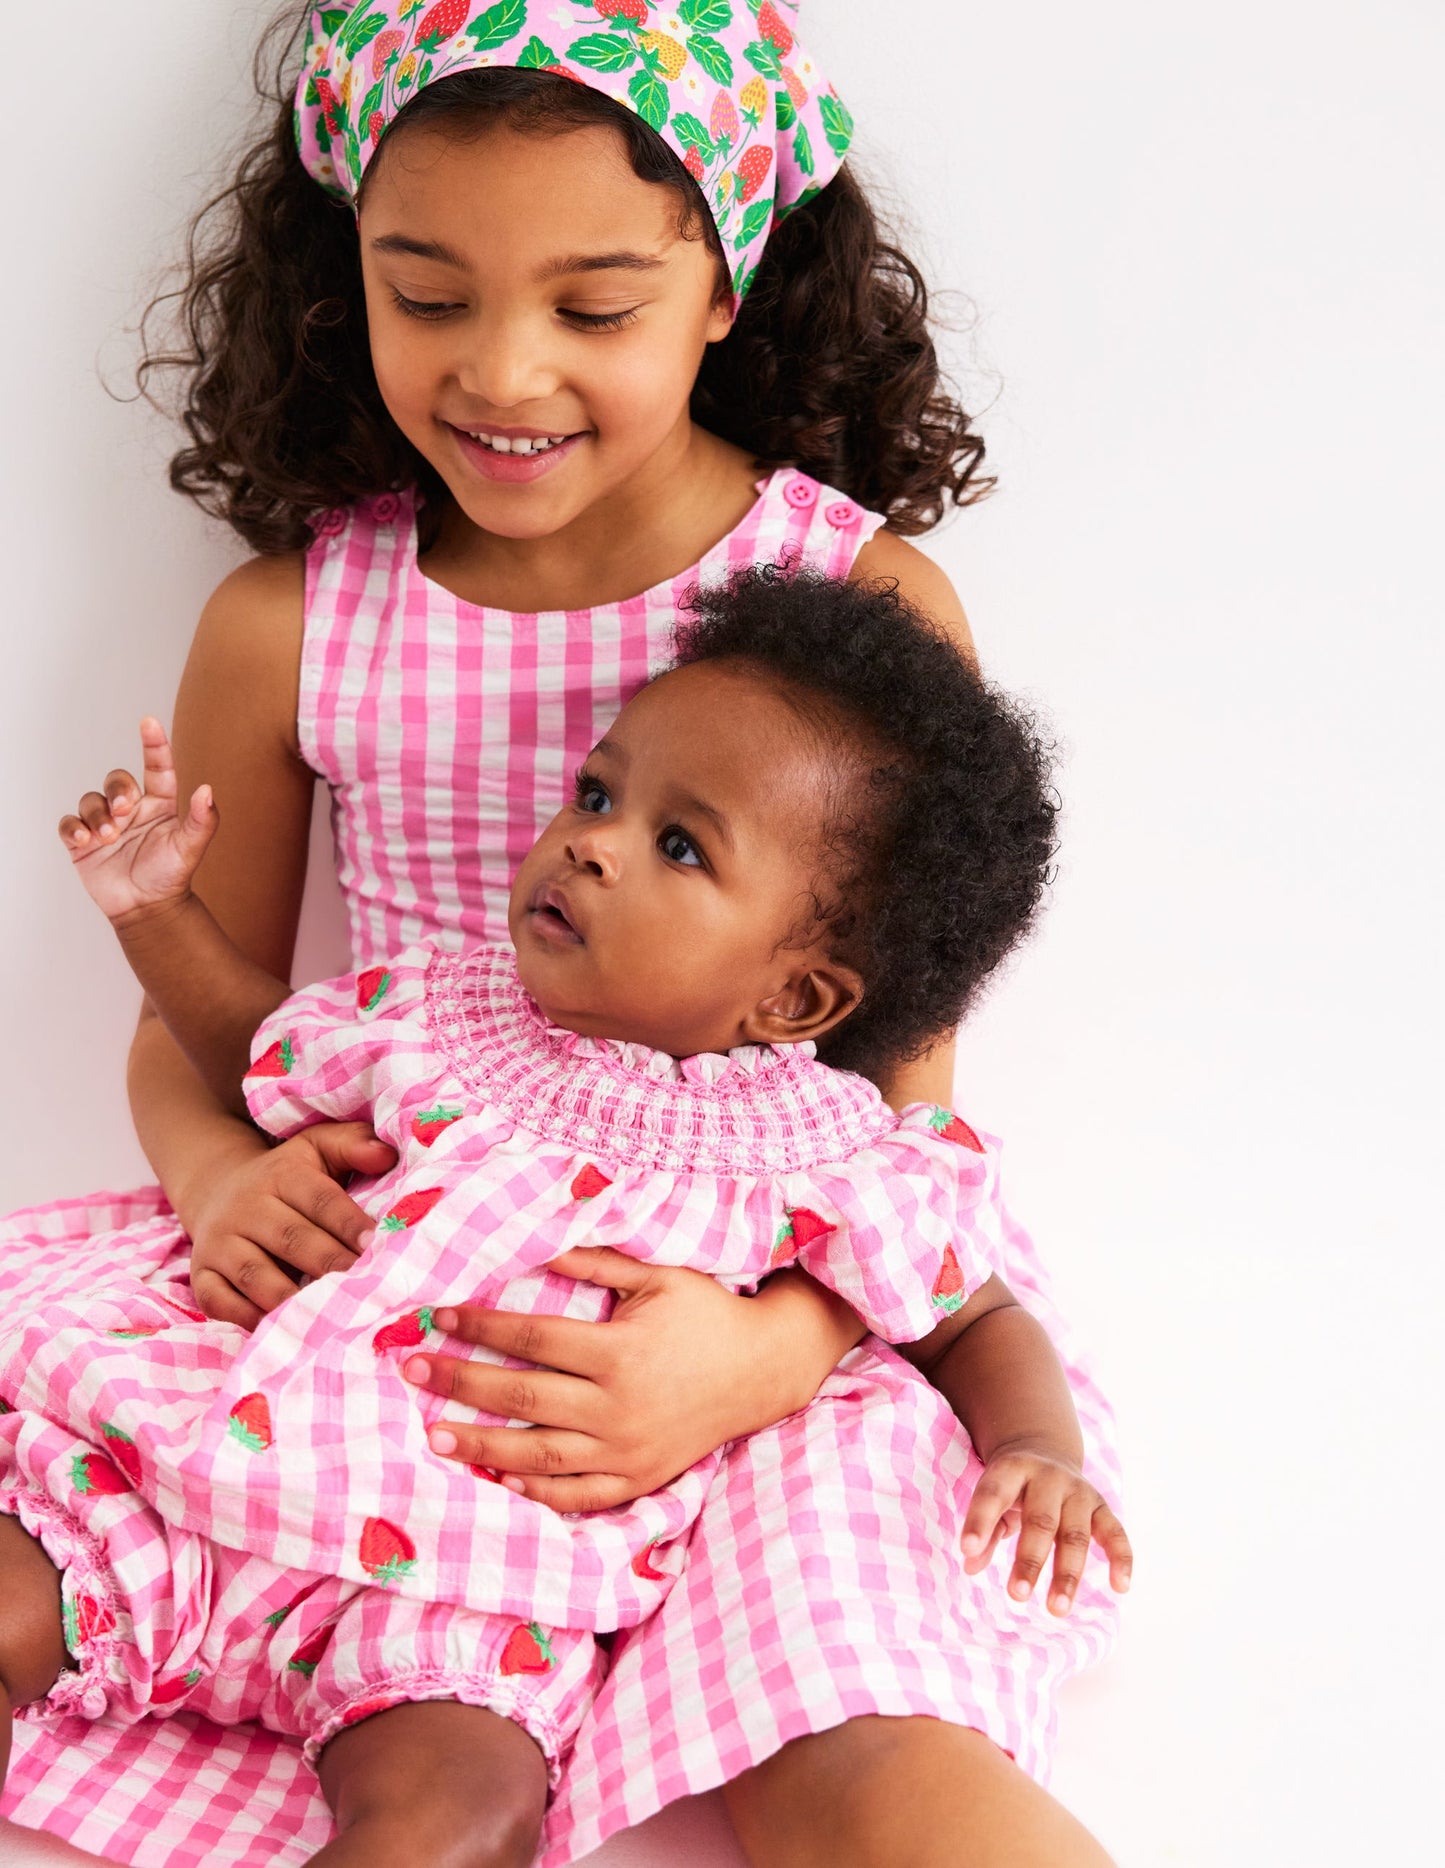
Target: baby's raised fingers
(1113,1540)
(122,794)
(94,810)
(160,764)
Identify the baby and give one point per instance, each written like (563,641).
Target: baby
(794,857)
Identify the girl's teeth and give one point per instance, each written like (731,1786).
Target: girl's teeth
(519,444)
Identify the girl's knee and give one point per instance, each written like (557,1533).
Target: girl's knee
(32,1628)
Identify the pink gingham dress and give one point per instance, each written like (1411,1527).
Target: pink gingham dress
(446,733)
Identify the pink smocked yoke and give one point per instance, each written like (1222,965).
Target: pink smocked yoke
(516,1141)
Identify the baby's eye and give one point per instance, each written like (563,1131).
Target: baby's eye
(593,797)
(678,847)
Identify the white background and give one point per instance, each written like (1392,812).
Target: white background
(1204,253)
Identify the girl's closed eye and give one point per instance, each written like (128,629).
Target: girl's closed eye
(421,308)
(600,320)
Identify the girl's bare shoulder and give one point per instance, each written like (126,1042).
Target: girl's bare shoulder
(247,648)
(919,581)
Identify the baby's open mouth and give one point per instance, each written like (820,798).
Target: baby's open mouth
(549,908)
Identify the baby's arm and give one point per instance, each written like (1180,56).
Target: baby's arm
(995,1366)
(138,870)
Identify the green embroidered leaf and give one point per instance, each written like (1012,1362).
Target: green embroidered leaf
(650,96)
(603,51)
(359,33)
(754,221)
(372,101)
(743,278)
(764,56)
(498,24)
(837,124)
(803,150)
(714,57)
(787,115)
(536,53)
(706,15)
(332,17)
(424,73)
(323,135)
(691,132)
(313,96)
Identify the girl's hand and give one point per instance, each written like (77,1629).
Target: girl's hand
(1052,1506)
(283,1207)
(621,1407)
(128,846)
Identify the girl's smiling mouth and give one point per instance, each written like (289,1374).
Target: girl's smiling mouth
(512,454)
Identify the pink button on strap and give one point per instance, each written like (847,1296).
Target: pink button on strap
(842,513)
(801,491)
(330,523)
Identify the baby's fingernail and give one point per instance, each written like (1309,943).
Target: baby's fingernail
(121,804)
(366,1240)
(1059,1602)
(107,831)
(417,1370)
(514,1484)
(1019,1590)
(81,836)
(444,1320)
(440,1440)
(972,1541)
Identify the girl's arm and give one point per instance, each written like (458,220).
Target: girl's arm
(248,1207)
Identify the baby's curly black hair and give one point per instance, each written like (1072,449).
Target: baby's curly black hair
(937,869)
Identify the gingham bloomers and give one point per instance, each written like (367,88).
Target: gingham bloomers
(303,1444)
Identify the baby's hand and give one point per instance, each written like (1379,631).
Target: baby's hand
(1052,1506)
(129,847)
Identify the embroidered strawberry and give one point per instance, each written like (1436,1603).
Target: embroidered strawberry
(405,1333)
(797,90)
(84,1618)
(250,1423)
(528,1650)
(671,54)
(277,1616)
(92,1474)
(122,1450)
(386,1551)
(426,1126)
(635,10)
(589,1183)
(365,1708)
(948,1285)
(723,122)
(692,162)
(442,22)
(772,29)
(372,987)
(166,1692)
(137,1331)
(754,99)
(305,1659)
(326,92)
(414,1207)
(276,1061)
(753,166)
(382,47)
(954,1129)
(642,1565)
(801,1225)
(196,1316)
(485,1472)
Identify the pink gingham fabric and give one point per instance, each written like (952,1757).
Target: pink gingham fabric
(516,1141)
(160,1621)
(446,733)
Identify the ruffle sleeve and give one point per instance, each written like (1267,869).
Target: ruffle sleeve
(335,1052)
(905,1231)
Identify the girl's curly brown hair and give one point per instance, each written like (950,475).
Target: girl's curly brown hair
(830,365)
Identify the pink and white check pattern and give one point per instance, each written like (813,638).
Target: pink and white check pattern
(446,733)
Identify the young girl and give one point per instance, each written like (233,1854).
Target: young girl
(766,853)
(527,259)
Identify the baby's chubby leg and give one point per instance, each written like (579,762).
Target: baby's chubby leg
(437,1784)
(32,1628)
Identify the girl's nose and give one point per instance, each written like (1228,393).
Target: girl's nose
(506,369)
(593,847)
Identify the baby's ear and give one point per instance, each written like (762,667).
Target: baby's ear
(815,999)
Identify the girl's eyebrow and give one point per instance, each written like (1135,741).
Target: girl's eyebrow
(599,262)
(418,249)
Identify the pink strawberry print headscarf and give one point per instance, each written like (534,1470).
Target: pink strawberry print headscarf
(723,82)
